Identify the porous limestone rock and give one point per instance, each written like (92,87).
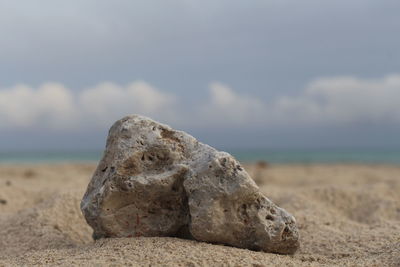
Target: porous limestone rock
(156,181)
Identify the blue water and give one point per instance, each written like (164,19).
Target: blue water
(271,156)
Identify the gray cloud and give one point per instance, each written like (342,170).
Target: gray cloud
(265,53)
(264,47)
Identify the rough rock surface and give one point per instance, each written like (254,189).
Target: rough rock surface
(156,181)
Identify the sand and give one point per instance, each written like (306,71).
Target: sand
(348,215)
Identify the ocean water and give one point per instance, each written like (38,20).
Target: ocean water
(49,156)
(320,156)
(250,155)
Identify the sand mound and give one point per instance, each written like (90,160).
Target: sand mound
(347,215)
(53,223)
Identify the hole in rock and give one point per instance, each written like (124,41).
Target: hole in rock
(269,217)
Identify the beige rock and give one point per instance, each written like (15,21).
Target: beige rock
(156,181)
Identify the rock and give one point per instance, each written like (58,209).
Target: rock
(156,181)
(262,164)
(29,173)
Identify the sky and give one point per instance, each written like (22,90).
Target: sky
(235,74)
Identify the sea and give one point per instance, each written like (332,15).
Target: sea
(275,156)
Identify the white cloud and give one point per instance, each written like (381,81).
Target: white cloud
(324,101)
(344,100)
(53,106)
(108,102)
(226,107)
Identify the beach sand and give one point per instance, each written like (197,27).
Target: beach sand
(348,215)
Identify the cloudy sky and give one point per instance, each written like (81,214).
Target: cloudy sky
(236,74)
